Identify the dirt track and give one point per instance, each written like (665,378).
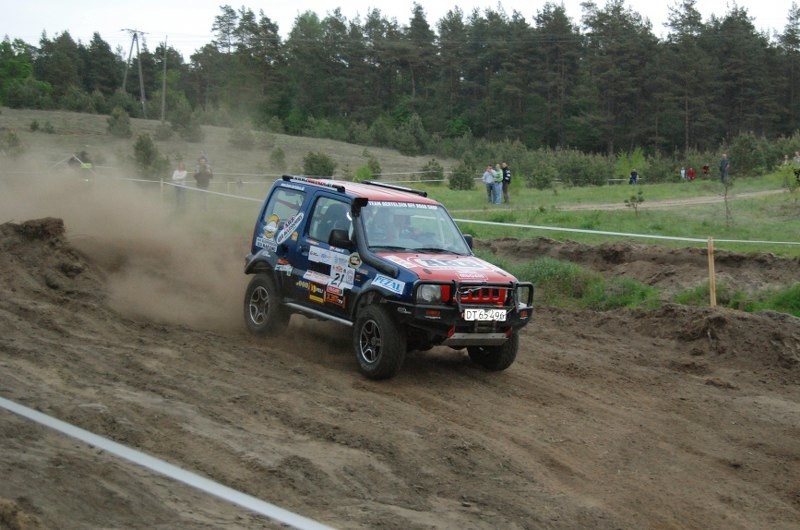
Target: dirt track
(676,418)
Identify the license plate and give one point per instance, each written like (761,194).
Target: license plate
(485,314)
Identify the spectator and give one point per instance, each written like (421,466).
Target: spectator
(506,180)
(683,173)
(634,178)
(796,162)
(488,180)
(498,183)
(179,179)
(724,168)
(203,176)
(690,174)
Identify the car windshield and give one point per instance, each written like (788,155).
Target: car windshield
(411,227)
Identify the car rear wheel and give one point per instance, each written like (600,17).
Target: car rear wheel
(263,313)
(379,343)
(496,358)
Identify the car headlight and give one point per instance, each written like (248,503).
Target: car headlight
(524,295)
(429,293)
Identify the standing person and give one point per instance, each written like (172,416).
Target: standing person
(683,173)
(498,183)
(506,180)
(690,174)
(179,179)
(796,162)
(203,176)
(488,180)
(634,178)
(724,168)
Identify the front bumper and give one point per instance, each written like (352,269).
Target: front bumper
(445,324)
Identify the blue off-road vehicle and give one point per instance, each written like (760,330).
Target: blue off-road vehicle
(387,261)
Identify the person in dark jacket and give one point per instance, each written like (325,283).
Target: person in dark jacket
(506,180)
(203,176)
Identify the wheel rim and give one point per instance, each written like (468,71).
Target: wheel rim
(370,341)
(259,304)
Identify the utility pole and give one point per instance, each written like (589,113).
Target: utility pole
(164,84)
(135,40)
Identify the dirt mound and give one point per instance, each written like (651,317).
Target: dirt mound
(669,269)
(680,417)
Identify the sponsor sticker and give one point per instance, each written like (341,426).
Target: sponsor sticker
(354,260)
(290,226)
(271,227)
(316,293)
(266,244)
(390,284)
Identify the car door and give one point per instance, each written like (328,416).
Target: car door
(324,274)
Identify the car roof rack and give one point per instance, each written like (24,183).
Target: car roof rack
(395,187)
(337,187)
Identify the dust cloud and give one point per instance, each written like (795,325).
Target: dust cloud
(161,264)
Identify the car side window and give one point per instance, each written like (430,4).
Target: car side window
(329,214)
(283,205)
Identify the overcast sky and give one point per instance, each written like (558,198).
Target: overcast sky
(187,24)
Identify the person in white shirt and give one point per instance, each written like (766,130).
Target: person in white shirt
(179,179)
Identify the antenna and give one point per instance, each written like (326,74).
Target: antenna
(135,40)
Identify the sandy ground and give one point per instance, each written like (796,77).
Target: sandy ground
(123,320)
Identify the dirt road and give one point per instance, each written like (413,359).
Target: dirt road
(675,418)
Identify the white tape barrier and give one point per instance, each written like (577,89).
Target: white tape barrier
(625,234)
(164,468)
(556,229)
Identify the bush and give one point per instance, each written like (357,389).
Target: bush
(150,163)
(10,144)
(77,100)
(277,159)
(461,178)
(432,171)
(119,123)
(318,165)
(242,138)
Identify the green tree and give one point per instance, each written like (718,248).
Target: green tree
(690,69)
(318,164)
(555,70)
(150,163)
(104,69)
(619,45)
(58,63)
(789,81)
(119,123)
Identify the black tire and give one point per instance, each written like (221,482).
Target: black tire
(379,344)
(496,358)
(263,312)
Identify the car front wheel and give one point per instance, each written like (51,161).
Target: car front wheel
(379,343)
(263,313)
(496,358)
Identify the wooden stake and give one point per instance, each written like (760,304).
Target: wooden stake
(712,277)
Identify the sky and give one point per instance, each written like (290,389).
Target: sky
(187,25)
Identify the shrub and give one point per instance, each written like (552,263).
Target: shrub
(150,163)
(277,159)
(77,100)
(10,144)
(432,171)
(242,138)
(119,123)
(318,165)
(461,178)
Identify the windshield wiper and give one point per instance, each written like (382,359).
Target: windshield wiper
(435,250)
(391,247)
